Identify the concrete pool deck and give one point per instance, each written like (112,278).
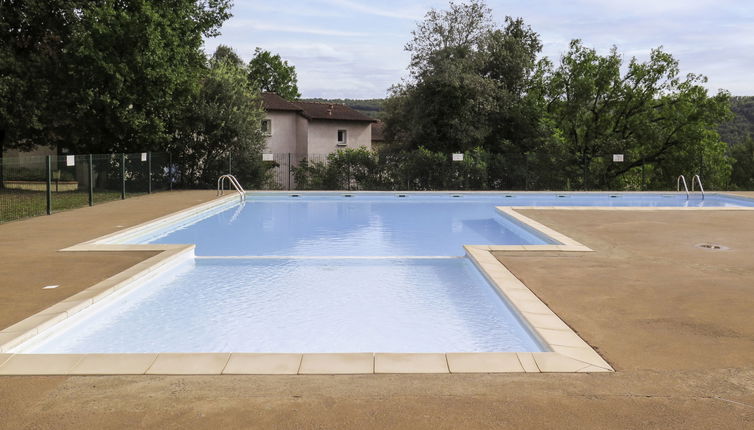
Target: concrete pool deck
(675,322)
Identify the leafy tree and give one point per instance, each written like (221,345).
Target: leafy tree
(742,175)
(33,36)
(225,53)
(221,122)
(649,113)
(271,73)
(741,126)
(461,28)
(100,76)
(471,84)
(350,169)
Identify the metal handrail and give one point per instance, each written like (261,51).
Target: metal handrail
(699,180)
(233,181)
(682,178)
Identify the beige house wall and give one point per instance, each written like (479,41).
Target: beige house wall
(323,135)
(302,134)
(285,133)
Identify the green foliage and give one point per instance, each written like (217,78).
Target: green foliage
(104,76)
(226,54)
(459,29)
(741,126)
(110,76)
(33,36)
(349,169)
(648,113)
(271,73)
(473,85)
(222,121)
(476,85)
(742,175)
(420,170)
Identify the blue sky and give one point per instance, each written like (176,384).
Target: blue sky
(354,49)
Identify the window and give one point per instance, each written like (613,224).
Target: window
(342,138)
(267,127)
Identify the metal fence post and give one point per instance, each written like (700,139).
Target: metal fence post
(49,185)
(149,167)
(170,170)
(701,164)
(123,176)
(91,181)
(643,178)
(289,171)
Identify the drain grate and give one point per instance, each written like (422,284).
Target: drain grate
(712,246)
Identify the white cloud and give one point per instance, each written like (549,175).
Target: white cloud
(243,8)
(348,48)
(275,28)
(399,13)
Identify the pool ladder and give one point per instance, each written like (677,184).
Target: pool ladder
(234,182)
(694,180)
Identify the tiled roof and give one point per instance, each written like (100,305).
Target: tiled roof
(314,110)
(272,101)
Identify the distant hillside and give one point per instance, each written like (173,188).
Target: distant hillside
(742,125)
(370,107)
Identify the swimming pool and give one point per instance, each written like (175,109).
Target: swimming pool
(334,272)
(304,305)
(385,224)
(357,226)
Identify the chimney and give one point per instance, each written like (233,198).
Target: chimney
(329,109)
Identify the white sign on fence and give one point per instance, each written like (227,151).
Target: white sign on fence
(143,156)
(267,157)
(617,158)
(70,160)
(458,157)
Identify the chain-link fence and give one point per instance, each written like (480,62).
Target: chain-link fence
(42,185)
(430,171)
(38,185)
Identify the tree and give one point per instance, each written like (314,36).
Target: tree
(649,113)
(737,133)
(33,36)
(461,28)
(271,73)
(222,120)
(225,53)
(741,125)
(101,76)
(471,84)
(742,176)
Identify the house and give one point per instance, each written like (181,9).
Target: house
(308,128)
(378,134)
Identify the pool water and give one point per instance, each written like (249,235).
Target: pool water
(304,305)
(384,224)
(371,272)
(297,227)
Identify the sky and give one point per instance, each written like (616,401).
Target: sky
(354,49)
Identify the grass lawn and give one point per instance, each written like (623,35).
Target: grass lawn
(18,204)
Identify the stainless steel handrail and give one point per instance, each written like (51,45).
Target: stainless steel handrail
(682,178)
(699,180)
(233,181)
